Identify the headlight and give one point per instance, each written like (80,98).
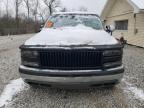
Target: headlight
(112,52)
(30,54)
(29,58)
(112,64)
(112,58)
(29,63)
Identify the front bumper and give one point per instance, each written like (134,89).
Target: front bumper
(82,77)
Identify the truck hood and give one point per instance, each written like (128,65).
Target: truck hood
(71,36)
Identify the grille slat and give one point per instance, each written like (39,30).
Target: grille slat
(70,59)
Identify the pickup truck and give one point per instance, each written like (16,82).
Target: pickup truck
(72,49)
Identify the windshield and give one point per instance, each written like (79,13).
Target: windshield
(74,20)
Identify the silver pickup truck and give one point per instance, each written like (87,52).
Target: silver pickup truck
(72,49)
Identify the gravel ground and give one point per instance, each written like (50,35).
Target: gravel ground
(124,95)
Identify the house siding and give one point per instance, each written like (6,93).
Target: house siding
(125,33)
(140,24)
(122,10)
(138,38)
(120,7)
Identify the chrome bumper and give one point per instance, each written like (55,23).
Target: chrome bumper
(71,77)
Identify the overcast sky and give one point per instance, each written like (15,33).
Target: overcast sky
(92,5)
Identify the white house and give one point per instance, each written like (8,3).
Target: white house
(128,18)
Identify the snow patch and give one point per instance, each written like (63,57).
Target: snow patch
(137,92)
(11,90)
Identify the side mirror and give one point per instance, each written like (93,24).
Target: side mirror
(112,28)
(109,28)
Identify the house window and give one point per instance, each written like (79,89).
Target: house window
(121,25)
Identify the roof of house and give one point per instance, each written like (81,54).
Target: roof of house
(138,3)
(138,6)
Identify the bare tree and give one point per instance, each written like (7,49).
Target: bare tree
(43,13)
(0,9)
(7,15)
(34,9)
(27,3)
(51,4)
(82,8)
(17,4)
(64,9)
(7,8)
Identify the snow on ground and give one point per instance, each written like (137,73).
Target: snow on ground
(138,93)
(11,90)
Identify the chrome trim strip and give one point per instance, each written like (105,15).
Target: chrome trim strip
(74,71)
(91,79)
